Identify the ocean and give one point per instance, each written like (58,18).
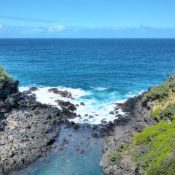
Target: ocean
(98,72)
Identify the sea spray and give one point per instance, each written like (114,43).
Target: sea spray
(94,106)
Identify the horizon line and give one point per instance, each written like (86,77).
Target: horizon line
(88,38)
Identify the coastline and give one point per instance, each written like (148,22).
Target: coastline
(34,127)
(142,143)
(29,129)
(123,134)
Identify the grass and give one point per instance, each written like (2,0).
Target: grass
(153,149)
(159,159)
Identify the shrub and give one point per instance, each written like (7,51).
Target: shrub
(169,111)
(115,157)
(157,112)
(160,92)
(3,74)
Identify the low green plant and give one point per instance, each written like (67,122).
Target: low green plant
(160,139)
(3,74)
(160,92)
(157,112)
(169,111)
(115,157)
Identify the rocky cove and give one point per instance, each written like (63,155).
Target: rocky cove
(36,138)
(29,130)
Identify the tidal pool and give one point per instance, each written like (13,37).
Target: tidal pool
(76,152)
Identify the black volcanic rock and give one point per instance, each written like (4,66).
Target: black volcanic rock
(7,87)
(27,128)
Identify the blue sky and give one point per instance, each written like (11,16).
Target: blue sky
(87,18)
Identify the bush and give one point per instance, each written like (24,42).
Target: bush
(3,74)
(160,92)
(169,111)
(156,93)
(157,112)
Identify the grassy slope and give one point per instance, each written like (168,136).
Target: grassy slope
(153,150)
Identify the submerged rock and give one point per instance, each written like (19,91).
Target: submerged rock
(82,103)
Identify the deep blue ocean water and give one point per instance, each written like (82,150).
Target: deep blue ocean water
(104,70)
(122,65)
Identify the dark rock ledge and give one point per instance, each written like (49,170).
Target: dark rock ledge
(27,128)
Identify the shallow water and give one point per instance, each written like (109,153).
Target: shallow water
(81,156)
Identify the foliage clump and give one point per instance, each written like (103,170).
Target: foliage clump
(169,111)
(3,74)
(115,157)
(160,92)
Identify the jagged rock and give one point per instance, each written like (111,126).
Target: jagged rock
(27,128)
(7,87)
(31,89)
(111,112)
(82,103)
(64,93)
(66,104)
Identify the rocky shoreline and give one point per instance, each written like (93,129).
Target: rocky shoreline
(122,136)
(28,129)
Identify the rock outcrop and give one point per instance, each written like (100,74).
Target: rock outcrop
(27,128)
(124,130)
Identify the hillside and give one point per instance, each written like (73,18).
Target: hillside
(147,144)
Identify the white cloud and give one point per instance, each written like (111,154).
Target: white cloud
(1,26)
(56,28)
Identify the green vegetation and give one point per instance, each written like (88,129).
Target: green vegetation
(154,149)
(115,157)
(169,111)
(157,112)
(3,74)
(162,99)
(160,92)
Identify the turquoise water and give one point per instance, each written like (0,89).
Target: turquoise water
(81,156)
(98,72)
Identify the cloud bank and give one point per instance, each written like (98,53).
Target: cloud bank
(61,31)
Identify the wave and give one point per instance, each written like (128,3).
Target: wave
(98,105)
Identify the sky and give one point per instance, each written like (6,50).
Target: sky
(87,19)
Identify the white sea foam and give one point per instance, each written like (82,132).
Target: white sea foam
(94,111)
(100,88)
